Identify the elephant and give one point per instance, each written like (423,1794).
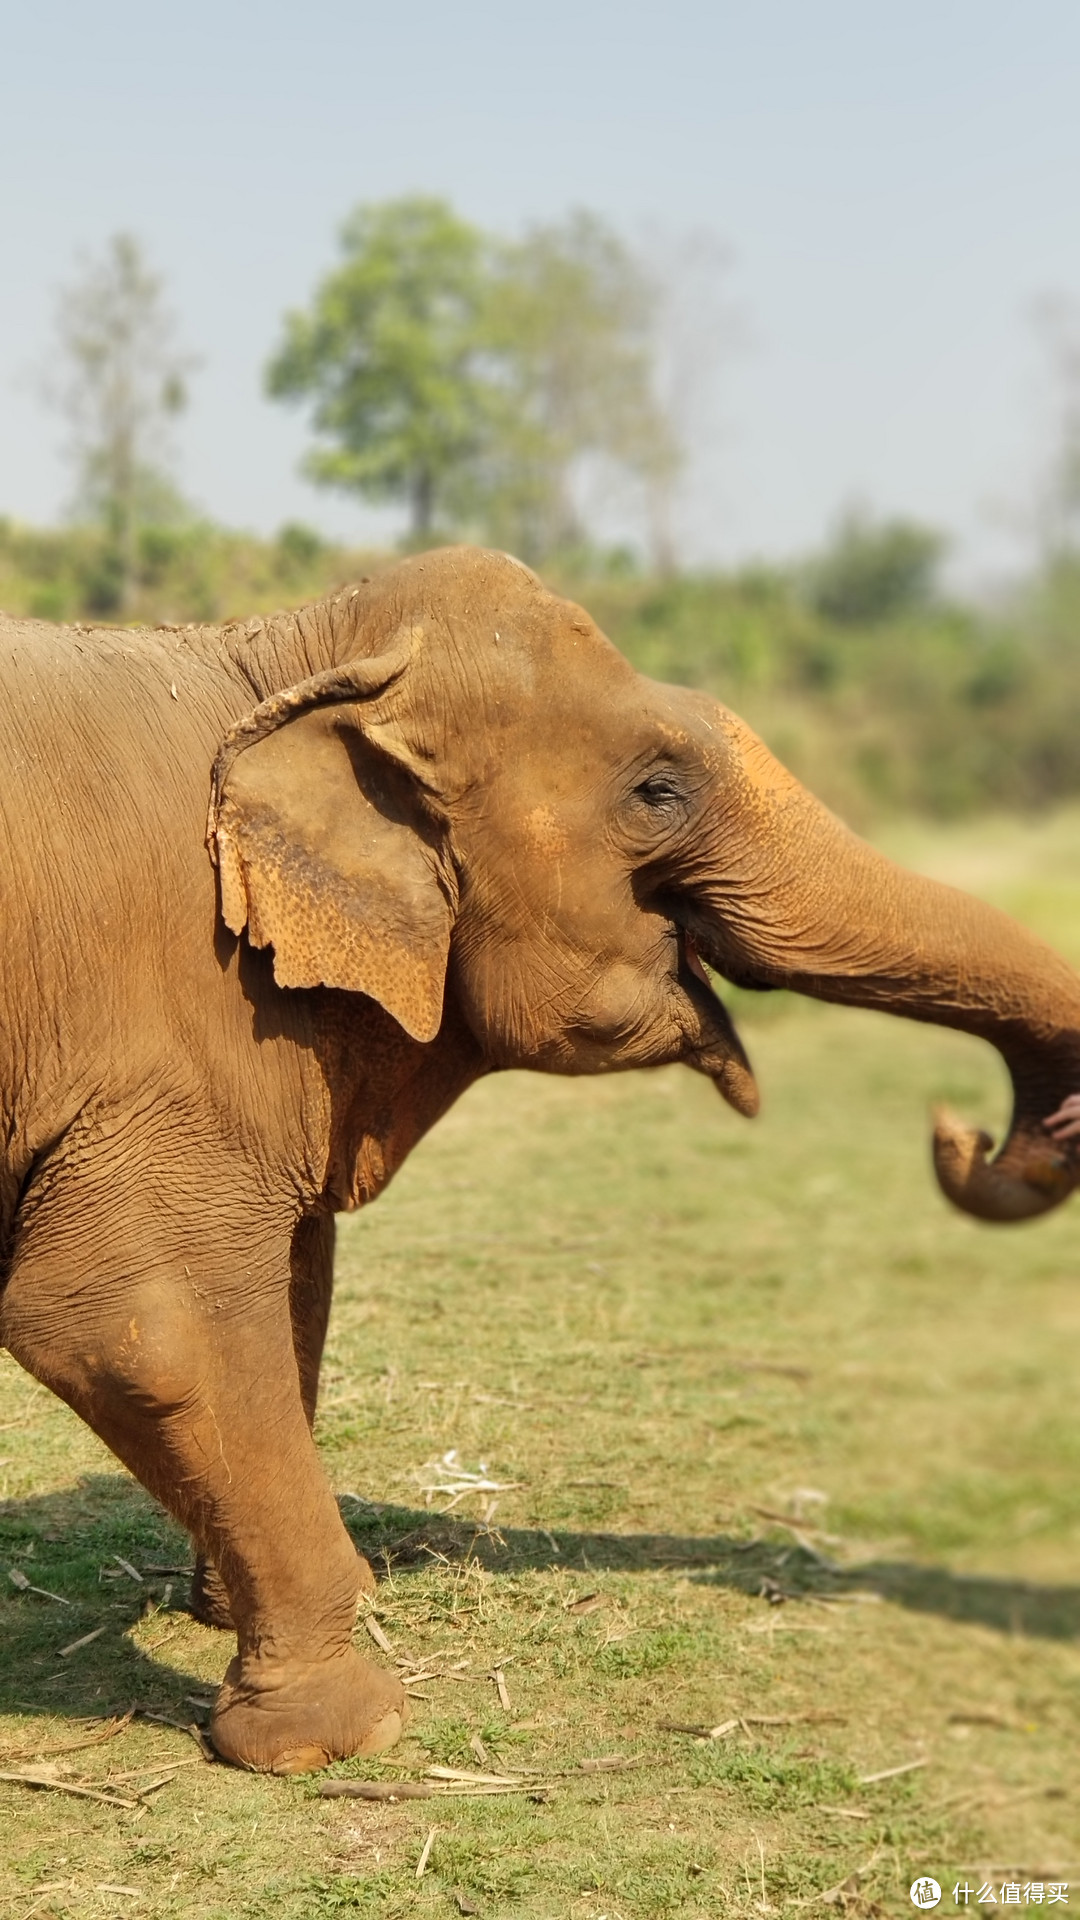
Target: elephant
(275,893)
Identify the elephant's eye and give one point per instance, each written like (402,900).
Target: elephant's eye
(660,791)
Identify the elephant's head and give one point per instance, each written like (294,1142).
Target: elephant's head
(483,799)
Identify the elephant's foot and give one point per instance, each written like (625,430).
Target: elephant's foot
(295,1716)
(209,1601)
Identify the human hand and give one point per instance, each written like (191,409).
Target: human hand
(1065,1123)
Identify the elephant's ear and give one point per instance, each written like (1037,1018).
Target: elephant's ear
(325,851)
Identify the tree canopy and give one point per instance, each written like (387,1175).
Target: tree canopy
(471,377)
(388,354)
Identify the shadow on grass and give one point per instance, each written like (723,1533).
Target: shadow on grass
(402,1537)
(68,1543)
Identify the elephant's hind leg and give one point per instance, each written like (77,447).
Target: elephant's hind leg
(171,1336)
(311,1285)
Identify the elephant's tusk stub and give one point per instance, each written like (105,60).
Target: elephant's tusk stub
(727,1067)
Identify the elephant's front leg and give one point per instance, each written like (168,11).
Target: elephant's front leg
(180,1356)
(311,1286)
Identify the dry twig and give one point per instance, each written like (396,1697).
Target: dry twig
(466,1776)
(890,1773)
(819,1716)
(84,1641)
(20,1581)
(461,1782)
(377,1634)
(449,1477)
(800,1535)
(137,1773)
(181,1726)
(388,1790)
(39,1779)
(699,1733)
(75,1746)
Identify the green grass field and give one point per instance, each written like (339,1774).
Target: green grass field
(785,1444)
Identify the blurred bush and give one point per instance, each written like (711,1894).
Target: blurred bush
(880,693)
(872,572)
(186,570)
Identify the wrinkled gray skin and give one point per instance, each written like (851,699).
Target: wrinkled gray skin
(450,830)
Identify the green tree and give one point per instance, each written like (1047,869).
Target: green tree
(119,382)
(388,355)
(473,378)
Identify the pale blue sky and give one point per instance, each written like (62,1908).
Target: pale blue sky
(897,179)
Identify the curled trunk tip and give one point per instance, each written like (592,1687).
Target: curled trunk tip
(1029,1177)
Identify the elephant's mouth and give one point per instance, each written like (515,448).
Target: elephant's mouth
(720,1053)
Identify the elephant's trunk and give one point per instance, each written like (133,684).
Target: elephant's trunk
(785,896)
